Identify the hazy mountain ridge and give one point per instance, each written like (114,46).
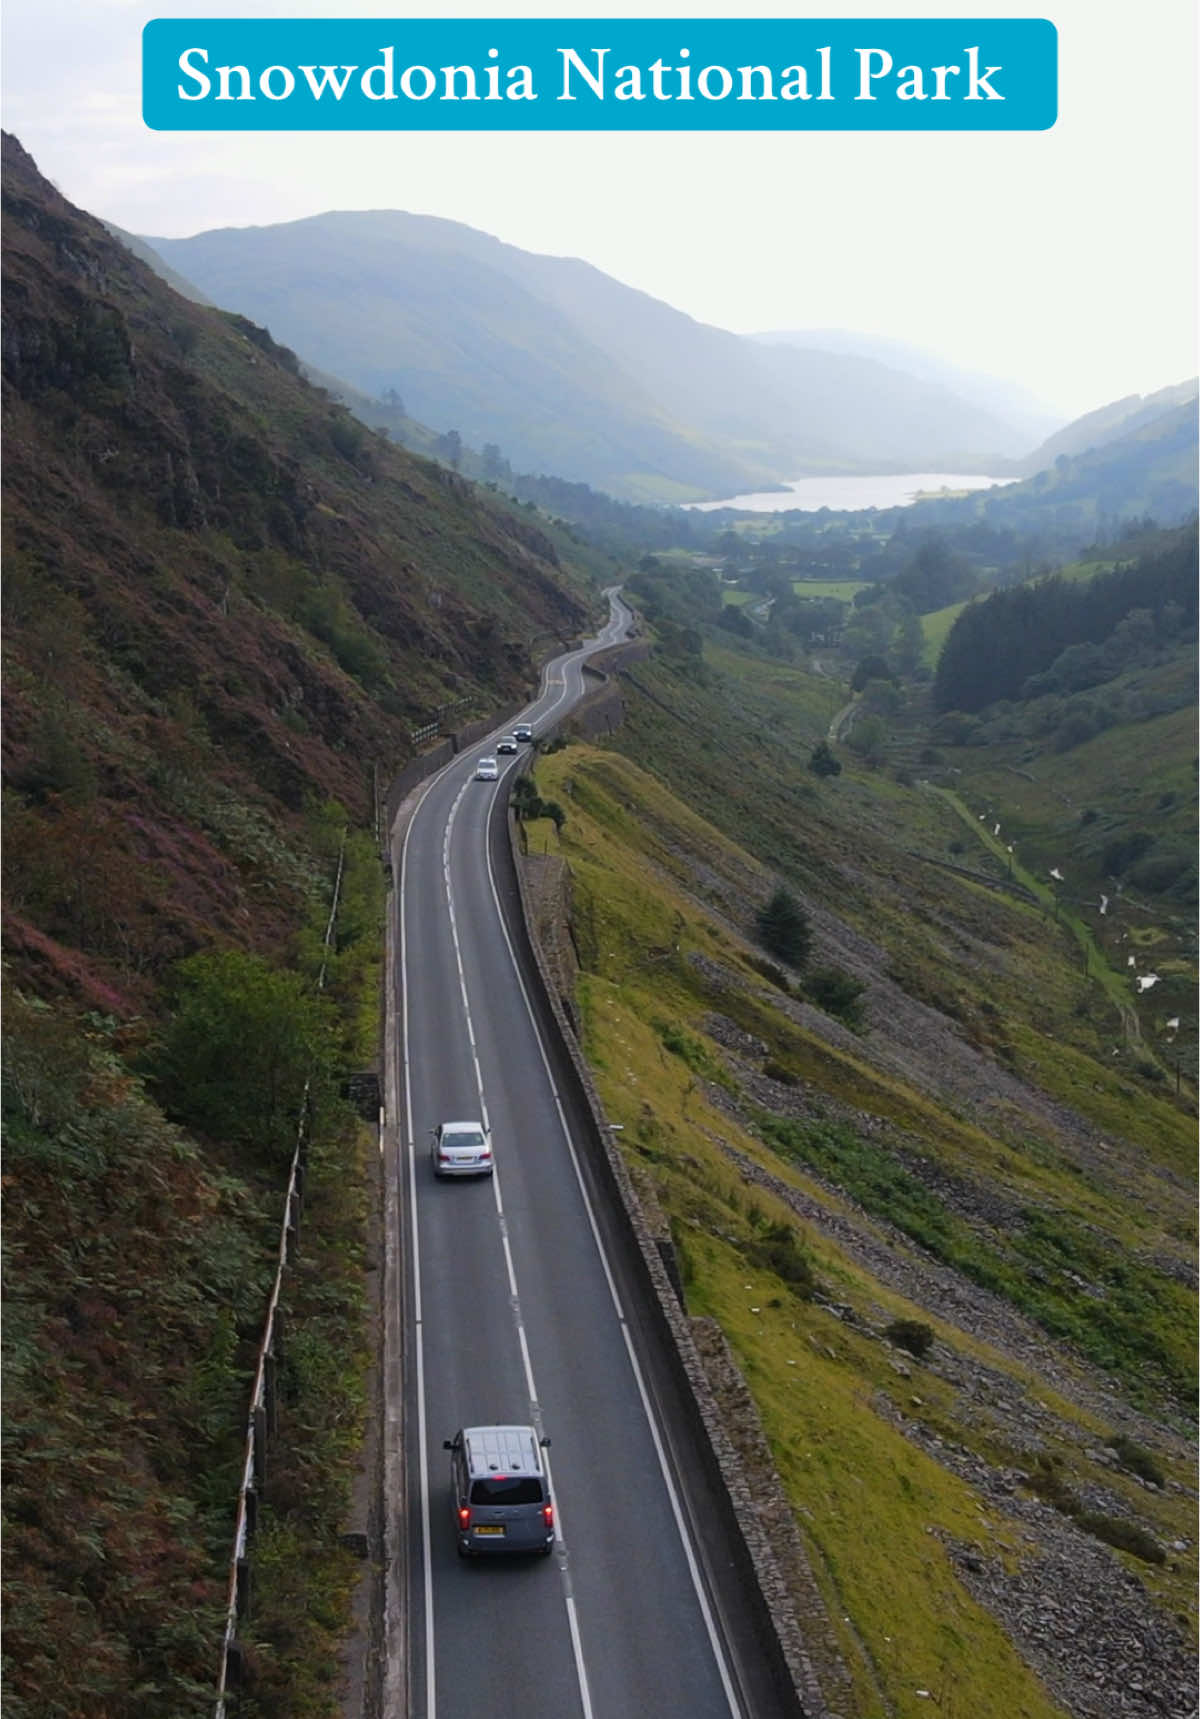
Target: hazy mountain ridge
(566,369)
(1017,409)
(1148,471)
(1109,423)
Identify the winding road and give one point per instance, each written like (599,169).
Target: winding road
(509,1299)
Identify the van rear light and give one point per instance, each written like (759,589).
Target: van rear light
(548,1513)
(464,1518)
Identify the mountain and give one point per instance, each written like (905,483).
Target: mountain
(189,521)
(1018,410)
(567,370)
(228,606)
(1149,470)
(1120,418)
(141,250)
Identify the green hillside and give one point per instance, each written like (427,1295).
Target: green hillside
(1148,471)
(1120,418)
(940,1139)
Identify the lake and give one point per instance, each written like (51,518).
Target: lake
(891,489)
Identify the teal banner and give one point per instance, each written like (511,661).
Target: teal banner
(605,74)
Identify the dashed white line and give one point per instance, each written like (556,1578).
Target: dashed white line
(510,1266)
(555,679)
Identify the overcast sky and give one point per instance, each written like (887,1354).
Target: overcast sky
(1065,260)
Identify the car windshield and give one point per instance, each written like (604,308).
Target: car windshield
(462,1137)
(507,1489)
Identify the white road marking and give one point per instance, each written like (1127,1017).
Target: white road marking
(419,1346)
(510,1266)
(552,680)
(660,1452)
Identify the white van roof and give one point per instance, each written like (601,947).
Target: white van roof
(502,1450)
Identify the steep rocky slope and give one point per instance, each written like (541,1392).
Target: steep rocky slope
(225,598)
(228,607)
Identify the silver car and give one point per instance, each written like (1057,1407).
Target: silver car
(462,1149)
(487,770)
(506,743)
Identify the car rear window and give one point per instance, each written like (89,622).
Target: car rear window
(507,1489)
(462,1137)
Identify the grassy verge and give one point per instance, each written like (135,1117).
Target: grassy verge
(662,904)
(303,1577)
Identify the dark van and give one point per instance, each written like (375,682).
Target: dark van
(501,1491)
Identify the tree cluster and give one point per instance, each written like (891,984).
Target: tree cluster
(1002,647)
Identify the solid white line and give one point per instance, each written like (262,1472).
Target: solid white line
(664,1466)
(419,1345)
(555,676)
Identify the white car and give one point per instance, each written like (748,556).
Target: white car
(487,770)
(462,1149)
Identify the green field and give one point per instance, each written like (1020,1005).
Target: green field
(936,626)
(845,590)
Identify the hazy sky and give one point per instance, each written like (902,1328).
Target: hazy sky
(1065,260)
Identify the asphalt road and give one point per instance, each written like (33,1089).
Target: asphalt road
(512,1308)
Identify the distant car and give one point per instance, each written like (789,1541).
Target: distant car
(487,770)
(506,743)
(522,731)
(462,1149)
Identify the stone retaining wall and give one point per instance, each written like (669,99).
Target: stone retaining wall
(753,1520)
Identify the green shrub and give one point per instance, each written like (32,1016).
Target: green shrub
(687,1048)
(1137,1459)
(242,1041)
(1048,1482)
(1124,851)
(822,761)
(835,992)
(777,1249)
(911,1334)
(770,971)
(1125,1536)
(784,928)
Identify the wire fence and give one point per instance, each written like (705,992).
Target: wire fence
(430,729)
(261,1423)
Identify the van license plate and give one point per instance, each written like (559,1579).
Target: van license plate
(490,1528)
